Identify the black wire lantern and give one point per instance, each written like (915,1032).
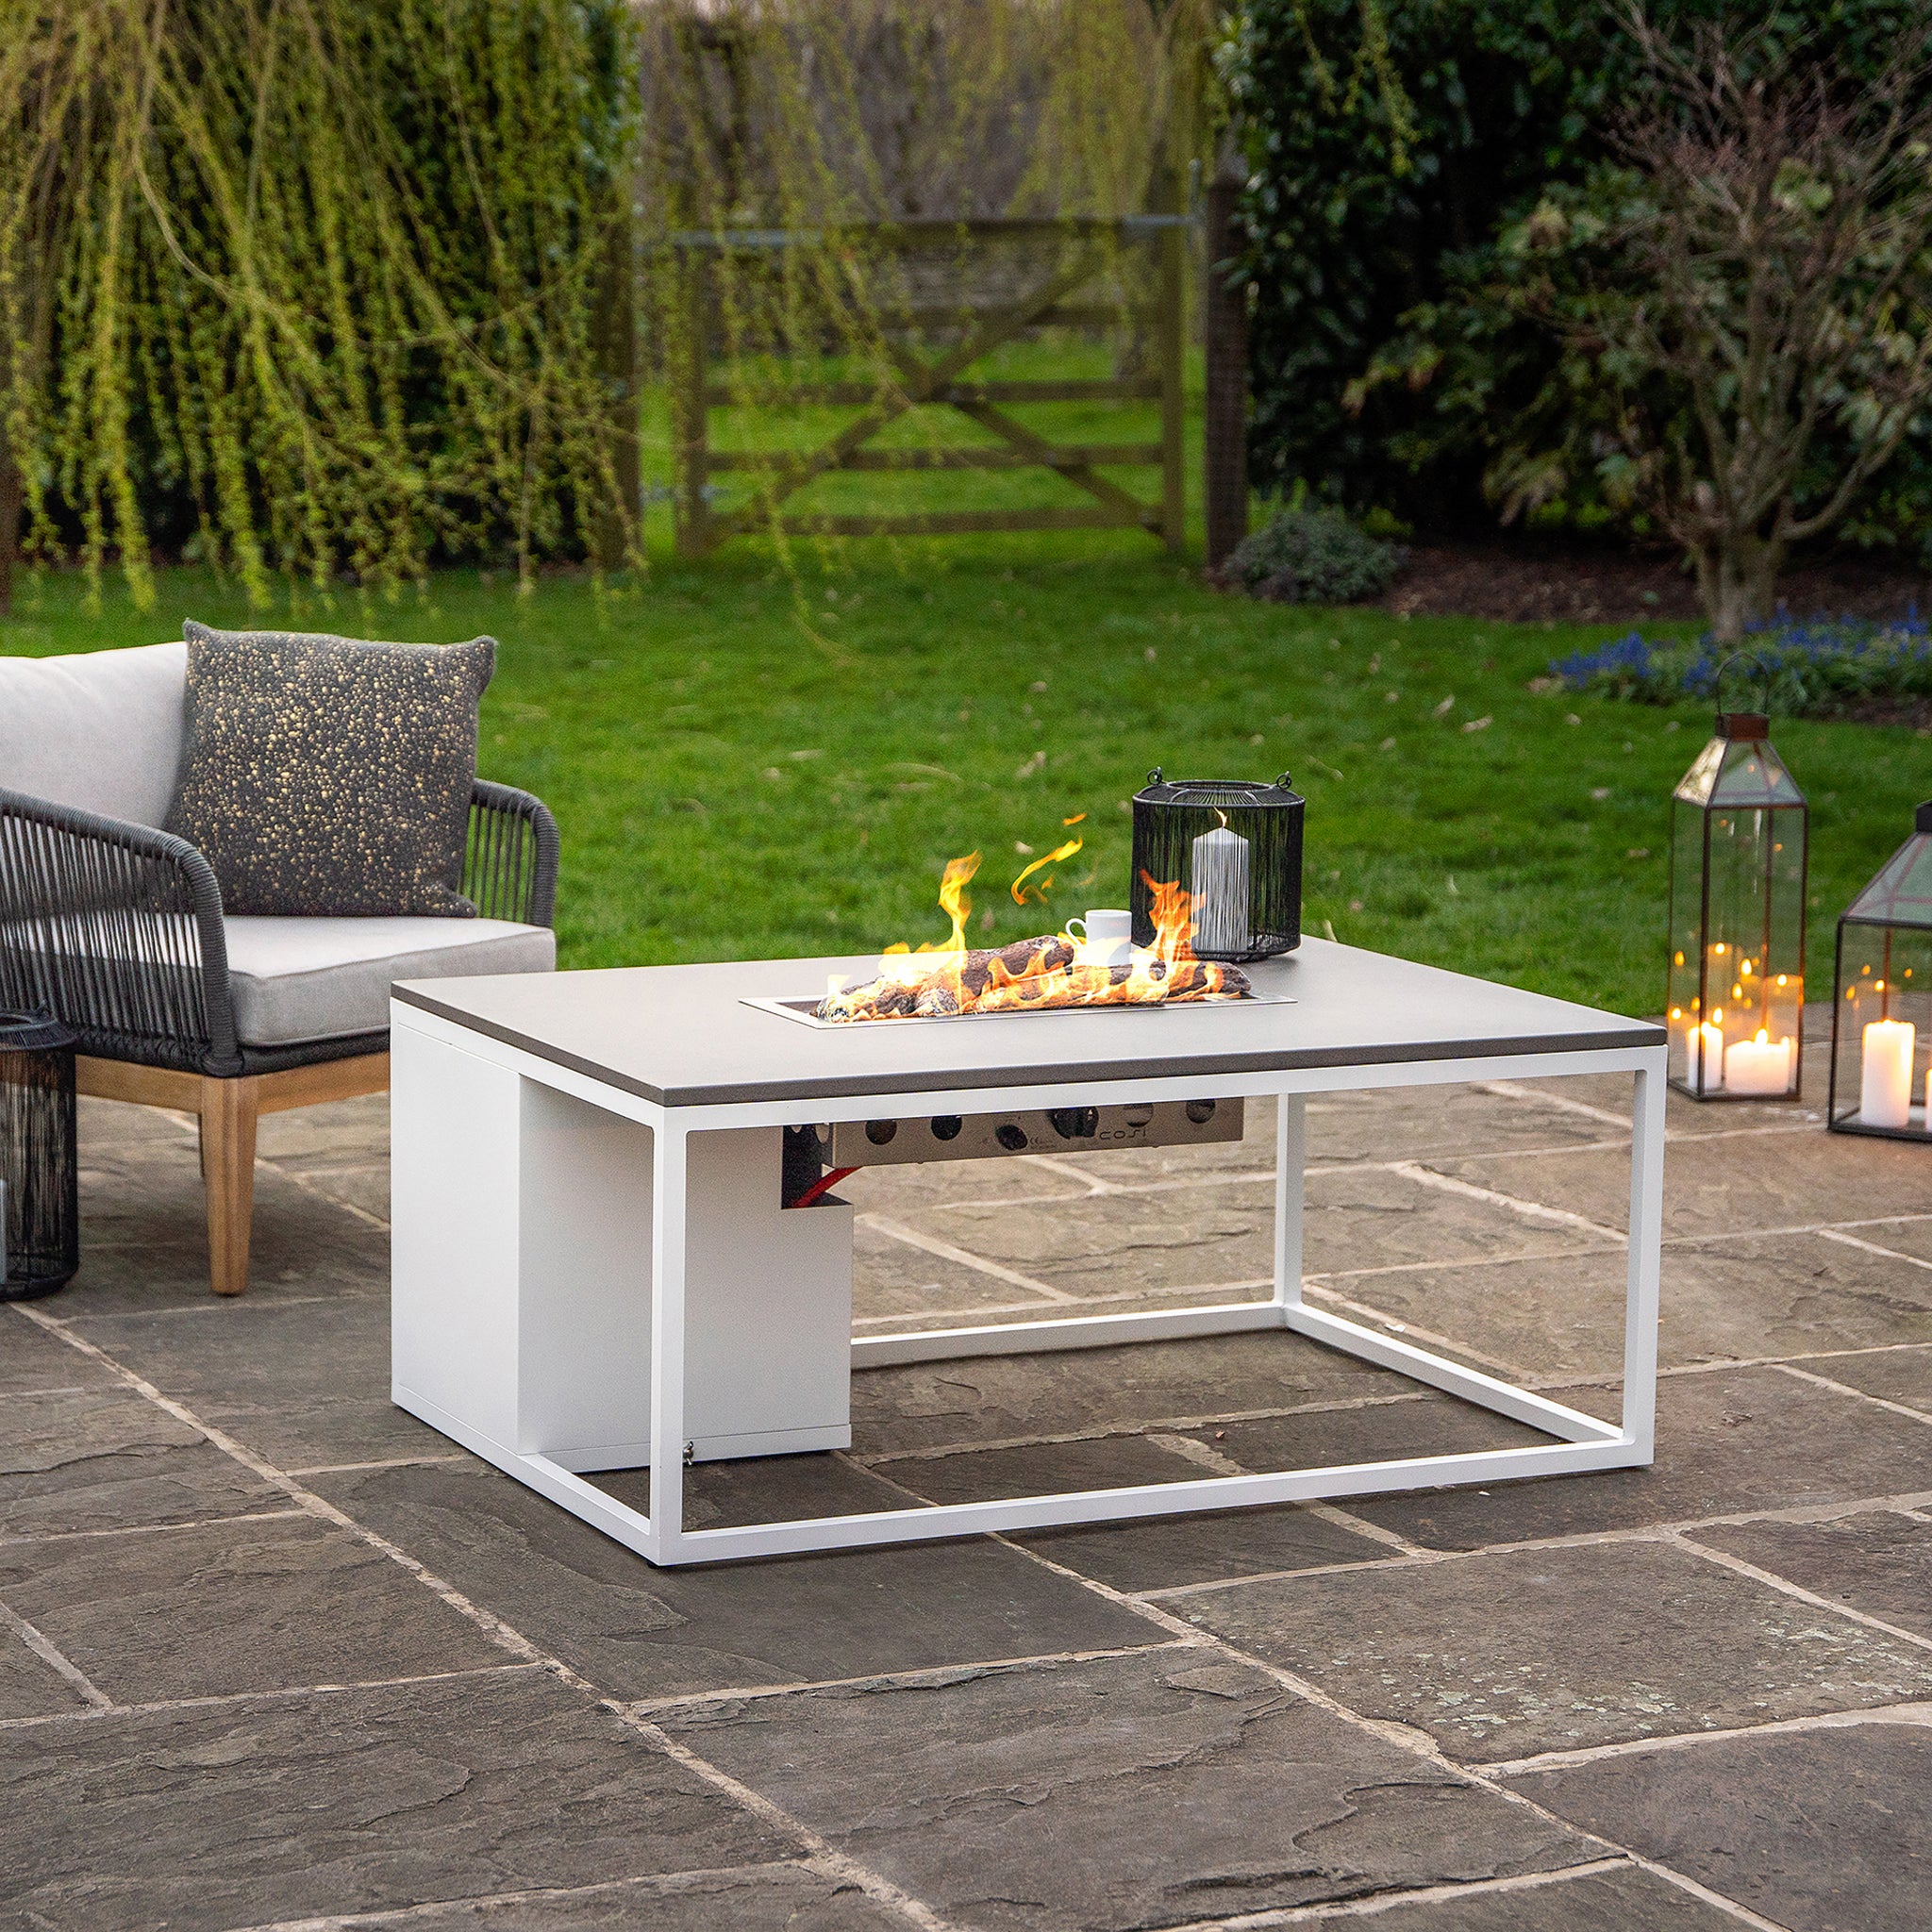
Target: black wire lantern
(40,1202)
(1736,994)
(1881,1007)
(1235,848)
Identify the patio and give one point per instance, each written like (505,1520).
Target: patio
(284,1657)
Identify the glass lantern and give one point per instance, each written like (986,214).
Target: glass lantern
(1881,1019)
(1735,999)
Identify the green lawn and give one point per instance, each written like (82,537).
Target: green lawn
(731,781)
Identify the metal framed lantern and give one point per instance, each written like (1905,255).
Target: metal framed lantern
(1881,1009)
(40,1206)
(1235,848)
(1735,997)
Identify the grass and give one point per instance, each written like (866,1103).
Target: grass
(733,780)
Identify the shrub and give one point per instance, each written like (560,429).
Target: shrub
(1394,355)
(1823,668)
(1313,555)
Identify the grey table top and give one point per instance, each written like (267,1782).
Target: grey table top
(682,1036)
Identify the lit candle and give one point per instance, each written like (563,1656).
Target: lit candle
(1885,1081)
(1218,885)
(1758,1066)
(1704,1068)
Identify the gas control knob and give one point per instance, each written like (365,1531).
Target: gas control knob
(879,1132)
(1138,1115)
(1200,1111)
(1074,1123)
(945,1127)
(1011,1136)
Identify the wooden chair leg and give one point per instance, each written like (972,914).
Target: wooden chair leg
(228,1109)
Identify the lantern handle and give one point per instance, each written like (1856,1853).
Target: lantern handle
(1763,668)
(1153,776)
(1286,782)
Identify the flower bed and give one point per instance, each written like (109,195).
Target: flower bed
(1846,667)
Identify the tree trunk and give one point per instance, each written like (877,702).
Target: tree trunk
(615,525)
(1225,324)
(12,494)
(1737,578)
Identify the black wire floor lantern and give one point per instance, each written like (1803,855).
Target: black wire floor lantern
(1235,848)
(40,1204)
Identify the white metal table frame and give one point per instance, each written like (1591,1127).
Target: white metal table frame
(1585,1442)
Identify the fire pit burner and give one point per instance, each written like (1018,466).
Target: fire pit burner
(806,1011)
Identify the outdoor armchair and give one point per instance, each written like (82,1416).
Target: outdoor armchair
(117,927)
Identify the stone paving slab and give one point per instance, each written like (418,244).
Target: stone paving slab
(29,1684)
(766,1489)
(304,1382)
(1902,1376)
(757,1898)
(1166,1552)
(33,1360)
(640,1632)
(1880,1564)
(1824,1830)
(282,1807)
(1597,1643)
(1739,1299)
(1626,1899)
(1047,1469)
(1421,1123)
(253,1605)
(1906,1235)
(893,1277)
(93,1459)
(977,1399)
(1731,1183)
(1729,1441)
(1420,1424)
(1144,1791)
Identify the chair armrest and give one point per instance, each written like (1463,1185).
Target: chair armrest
(510,862)
(116,928)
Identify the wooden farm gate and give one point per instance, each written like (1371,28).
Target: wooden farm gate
(946,379)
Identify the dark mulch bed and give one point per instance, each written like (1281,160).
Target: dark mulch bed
(1557,583)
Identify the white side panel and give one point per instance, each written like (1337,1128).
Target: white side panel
(584,1354)
(453,1294)
(767,1304)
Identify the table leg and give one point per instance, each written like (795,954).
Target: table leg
(1645,1261)
(668,1157)
(1291,1168)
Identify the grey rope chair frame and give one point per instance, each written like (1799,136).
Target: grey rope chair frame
(116,928)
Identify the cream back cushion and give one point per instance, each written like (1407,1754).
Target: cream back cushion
(99,730)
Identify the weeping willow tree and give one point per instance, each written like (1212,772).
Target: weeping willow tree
(307,286)
(340,279)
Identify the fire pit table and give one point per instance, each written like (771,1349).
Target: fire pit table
(594,1268)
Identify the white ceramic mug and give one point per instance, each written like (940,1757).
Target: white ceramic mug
(1106,936)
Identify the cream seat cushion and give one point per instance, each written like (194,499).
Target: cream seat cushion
(301,979)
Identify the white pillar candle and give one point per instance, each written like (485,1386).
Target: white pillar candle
(1758,1066)
(1884,1077)
(1218,886)
(1704,1062)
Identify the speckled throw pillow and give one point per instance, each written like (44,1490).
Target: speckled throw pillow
(321,775)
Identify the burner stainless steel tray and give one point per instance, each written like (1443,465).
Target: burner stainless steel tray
(806,1011)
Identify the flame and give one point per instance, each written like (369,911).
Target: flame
(1052,857)
(900,965)
(1043,972)
(1171,911)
